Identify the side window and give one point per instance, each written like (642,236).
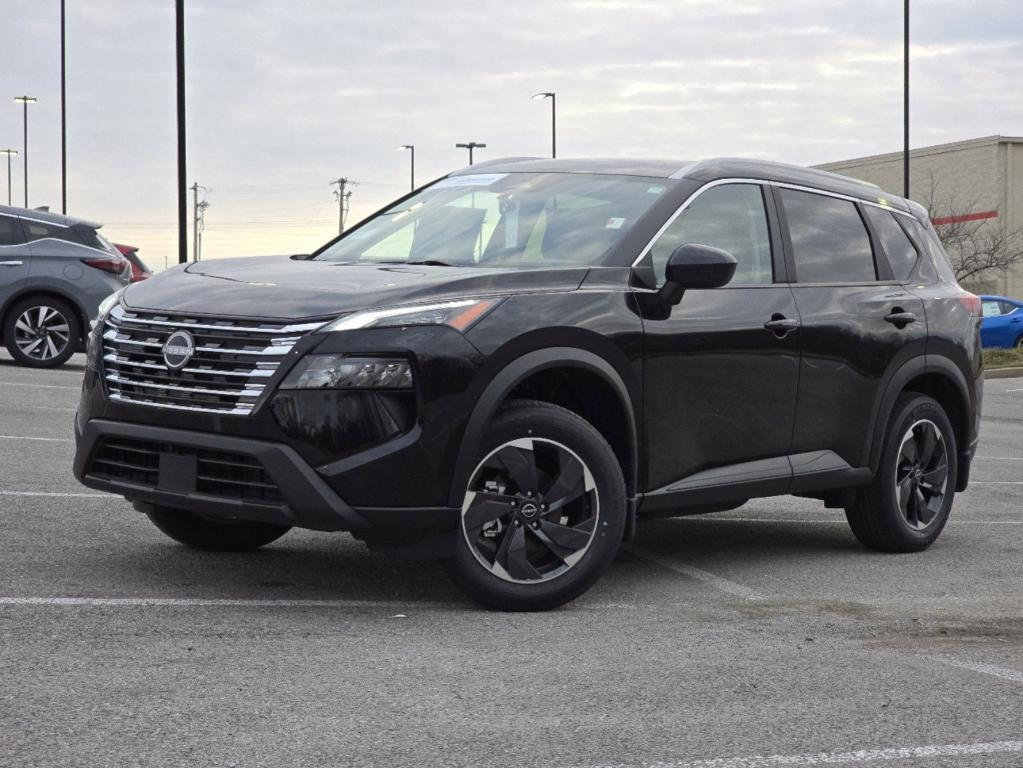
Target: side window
(830,243)
(731,217)
(37,230)
(897,245)
(10,231)
(992,308)
(1007,308)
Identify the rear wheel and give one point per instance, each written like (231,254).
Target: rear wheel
(908,503)
(41,332)
(215,535)
(543,513)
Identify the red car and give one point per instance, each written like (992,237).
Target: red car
(139,271)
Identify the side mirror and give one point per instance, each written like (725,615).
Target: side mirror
(695,266)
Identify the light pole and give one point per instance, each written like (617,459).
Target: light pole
(25,101)
(412,149)
(63,117)
(905,99)
(179,60)
(554,118)
(470,145)
(8,152)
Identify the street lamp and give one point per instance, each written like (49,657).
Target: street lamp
(412,149)
(8,152)
(25,101)
(471,145)
(554,119)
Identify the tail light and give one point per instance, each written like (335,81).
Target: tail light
(971,303)
(107,264)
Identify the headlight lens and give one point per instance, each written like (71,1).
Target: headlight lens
(459,314)
(341,372)
(105,306)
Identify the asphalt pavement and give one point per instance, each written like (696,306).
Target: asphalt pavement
(765,636)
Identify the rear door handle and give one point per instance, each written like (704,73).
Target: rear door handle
(900,319)
(11,263)
(781,325)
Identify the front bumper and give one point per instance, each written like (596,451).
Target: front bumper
(163,466)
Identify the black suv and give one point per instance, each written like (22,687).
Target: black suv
(506,368)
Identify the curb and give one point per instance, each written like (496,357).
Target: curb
(1003,373)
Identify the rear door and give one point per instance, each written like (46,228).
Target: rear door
(719,386)
(14,257)
(858,322)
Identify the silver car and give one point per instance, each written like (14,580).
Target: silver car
(54,272)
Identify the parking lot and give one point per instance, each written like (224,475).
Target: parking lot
(767,631)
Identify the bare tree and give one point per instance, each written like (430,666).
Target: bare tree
(980,249)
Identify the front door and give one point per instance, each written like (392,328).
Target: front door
(720,387)
(14,258)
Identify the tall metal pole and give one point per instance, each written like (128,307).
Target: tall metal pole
(63,117)
(905,99)
(471,146)
(179,47)
(554,128)
(195,221)
(412,179)
(8,152)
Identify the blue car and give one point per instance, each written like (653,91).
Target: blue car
(1002,327)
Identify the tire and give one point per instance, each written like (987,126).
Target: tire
(906,506)
(517,551)
(42,332)
(200,532)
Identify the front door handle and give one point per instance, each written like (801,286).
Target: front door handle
(900,319)
(11,263)
(780,325)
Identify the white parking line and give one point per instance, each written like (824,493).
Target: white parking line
(708,578)
(984,668)
(797,521)
(34,386)
(835,758)
(197,602)
(41,439)
(21,407)
(60,495)
(999,458)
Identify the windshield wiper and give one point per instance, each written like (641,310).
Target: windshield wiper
(422,262)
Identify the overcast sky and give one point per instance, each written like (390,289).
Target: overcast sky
(285,95)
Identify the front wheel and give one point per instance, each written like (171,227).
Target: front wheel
(906,506)
(543,513)
(41,332)
(214,535)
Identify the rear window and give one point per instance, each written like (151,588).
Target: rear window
(896,244)
(830,243)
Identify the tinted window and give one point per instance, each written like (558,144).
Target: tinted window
(896,244)
(731,217)
(1007,308)
(830,243)
(10,232)
(37,230)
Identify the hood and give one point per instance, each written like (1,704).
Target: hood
(277,287)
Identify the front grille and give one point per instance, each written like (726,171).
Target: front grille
(234,476)
(227,373)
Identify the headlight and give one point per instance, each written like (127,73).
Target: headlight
(459,314)
(105,306)
(341,372)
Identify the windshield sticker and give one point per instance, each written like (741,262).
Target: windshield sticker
(654,190)
(472,180)
(614,223)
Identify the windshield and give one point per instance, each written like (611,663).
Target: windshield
(525,220)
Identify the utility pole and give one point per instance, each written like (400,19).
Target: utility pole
(905,99)
(8,152)
(179,52)
(470,145)
(63,117)
(342,196)
(196,208)
(201,226)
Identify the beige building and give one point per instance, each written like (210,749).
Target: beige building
(980,180)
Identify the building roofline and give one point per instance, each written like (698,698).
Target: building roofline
(934,149)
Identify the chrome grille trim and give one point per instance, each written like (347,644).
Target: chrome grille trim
(232,362)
